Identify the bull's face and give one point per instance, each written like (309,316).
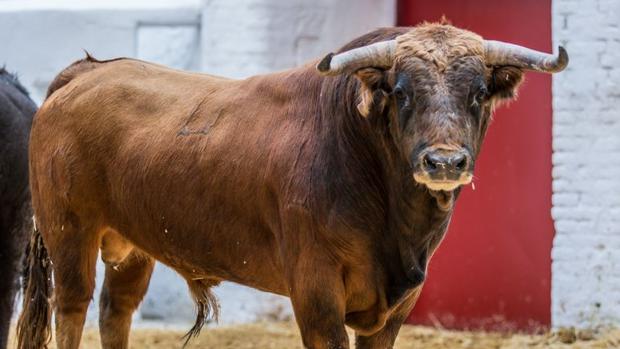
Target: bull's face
(440,84)
(442,117)
(443,113)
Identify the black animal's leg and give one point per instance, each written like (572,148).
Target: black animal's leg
(385,338)
(9,258)
(123,289)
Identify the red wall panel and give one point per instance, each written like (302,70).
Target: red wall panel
(493,270)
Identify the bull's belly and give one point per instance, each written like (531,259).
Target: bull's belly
(250,264)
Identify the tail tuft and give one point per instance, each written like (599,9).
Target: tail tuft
(207,305)
(34,324)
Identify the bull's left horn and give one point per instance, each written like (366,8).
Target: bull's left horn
(501,53)
(380,55)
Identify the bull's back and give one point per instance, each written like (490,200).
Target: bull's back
(95,114)
(135,114)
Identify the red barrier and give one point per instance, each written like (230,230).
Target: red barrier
(493,270)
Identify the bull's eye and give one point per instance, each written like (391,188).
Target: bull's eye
(402,97)
(400,94)
(404,105)
(479,98)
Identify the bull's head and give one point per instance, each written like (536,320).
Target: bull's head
(441,84)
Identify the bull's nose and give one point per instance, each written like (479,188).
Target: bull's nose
(445,165)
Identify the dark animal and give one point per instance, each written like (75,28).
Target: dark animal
(16,112)
(330,184)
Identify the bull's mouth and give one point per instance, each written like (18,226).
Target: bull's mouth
(442,184)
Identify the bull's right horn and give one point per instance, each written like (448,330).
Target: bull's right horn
(380,55)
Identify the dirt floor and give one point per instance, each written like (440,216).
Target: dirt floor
(285,336)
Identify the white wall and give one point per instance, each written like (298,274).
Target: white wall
(234,38)
(40,38)
(586,165)
(247,37)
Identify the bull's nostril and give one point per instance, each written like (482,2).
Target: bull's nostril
(444,164)
(428,163)
(460,165)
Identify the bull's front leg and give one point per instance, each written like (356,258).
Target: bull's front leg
(318,298)
(315,282)
(385,338)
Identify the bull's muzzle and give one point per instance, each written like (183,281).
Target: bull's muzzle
(444,169)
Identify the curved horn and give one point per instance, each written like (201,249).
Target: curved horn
(501,53)
(380,54)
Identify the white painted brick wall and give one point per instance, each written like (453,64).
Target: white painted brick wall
(173,45)
(248,37)
(40,37)
(586,165)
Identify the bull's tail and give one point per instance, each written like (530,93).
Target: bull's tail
(206,304)
(34,324)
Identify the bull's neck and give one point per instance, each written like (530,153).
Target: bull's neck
(416,216)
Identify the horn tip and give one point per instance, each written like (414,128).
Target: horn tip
(324,65)
(562,58)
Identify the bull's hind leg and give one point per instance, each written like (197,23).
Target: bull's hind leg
(123,289)
(72,244)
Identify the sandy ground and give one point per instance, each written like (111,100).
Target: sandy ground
(285,336)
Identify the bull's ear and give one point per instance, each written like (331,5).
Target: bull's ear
(372,95)
(505,82)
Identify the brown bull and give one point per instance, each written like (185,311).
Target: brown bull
(331,184)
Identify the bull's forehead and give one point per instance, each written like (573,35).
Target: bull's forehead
(439,44)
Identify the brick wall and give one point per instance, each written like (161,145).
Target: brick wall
(247,37)
(586,165)
(39,37)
